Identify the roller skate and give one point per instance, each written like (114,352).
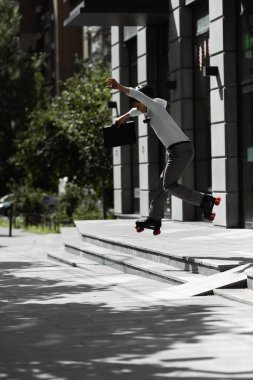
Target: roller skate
(207,205)
(150,224)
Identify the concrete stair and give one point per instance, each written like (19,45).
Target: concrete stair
(75,252)
(239,295)
(150,248)
(115,245)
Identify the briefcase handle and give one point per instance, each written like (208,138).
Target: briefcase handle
(121,125)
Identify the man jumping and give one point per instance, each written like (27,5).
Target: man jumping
(180,152)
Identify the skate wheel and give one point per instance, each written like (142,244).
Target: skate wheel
(217,201)
(139,229)
(212,216)
(156,232)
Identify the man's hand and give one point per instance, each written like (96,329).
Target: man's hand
(112,83)
(121,119)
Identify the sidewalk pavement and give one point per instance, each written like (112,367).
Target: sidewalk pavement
(65,323)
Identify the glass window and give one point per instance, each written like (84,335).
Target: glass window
(247,41)
(202,25)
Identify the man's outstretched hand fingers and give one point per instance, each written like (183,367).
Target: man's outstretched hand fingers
(111,83)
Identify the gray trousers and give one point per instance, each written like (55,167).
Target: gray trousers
(180,157)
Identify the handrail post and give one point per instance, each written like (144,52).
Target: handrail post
(10,220)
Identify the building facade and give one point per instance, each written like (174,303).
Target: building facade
(198,55)
(42,31)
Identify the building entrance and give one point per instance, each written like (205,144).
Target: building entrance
(246,111)
(202,133)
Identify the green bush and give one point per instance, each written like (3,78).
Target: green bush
(75,204)
(29,204)
(69,202)
(88,210)
(78,204)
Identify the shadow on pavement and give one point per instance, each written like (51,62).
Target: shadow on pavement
(61,328)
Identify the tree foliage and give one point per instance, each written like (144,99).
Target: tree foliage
(43,139)
(64,137)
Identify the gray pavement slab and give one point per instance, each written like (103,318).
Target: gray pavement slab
(64,323)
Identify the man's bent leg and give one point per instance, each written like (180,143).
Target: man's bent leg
(179,160)
(190,196)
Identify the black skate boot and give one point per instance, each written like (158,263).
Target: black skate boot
(207,206)
(150,224)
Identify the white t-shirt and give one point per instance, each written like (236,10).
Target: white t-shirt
(162,123)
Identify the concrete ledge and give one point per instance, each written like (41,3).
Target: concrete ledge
(206,286)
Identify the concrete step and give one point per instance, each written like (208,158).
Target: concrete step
(73,251)
(121,237)
(76,250)
(239,295)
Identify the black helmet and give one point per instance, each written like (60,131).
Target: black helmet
(145,89)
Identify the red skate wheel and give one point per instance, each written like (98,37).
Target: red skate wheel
(217,201)
(212,216)
(139,229)
(156,232)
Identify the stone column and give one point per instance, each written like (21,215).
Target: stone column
(224,111)
(148,143)
(181,106)
(121,155)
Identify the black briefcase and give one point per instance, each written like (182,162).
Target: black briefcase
(123,134)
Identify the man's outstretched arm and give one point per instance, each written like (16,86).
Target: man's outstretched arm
(134,93)
(113,84)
